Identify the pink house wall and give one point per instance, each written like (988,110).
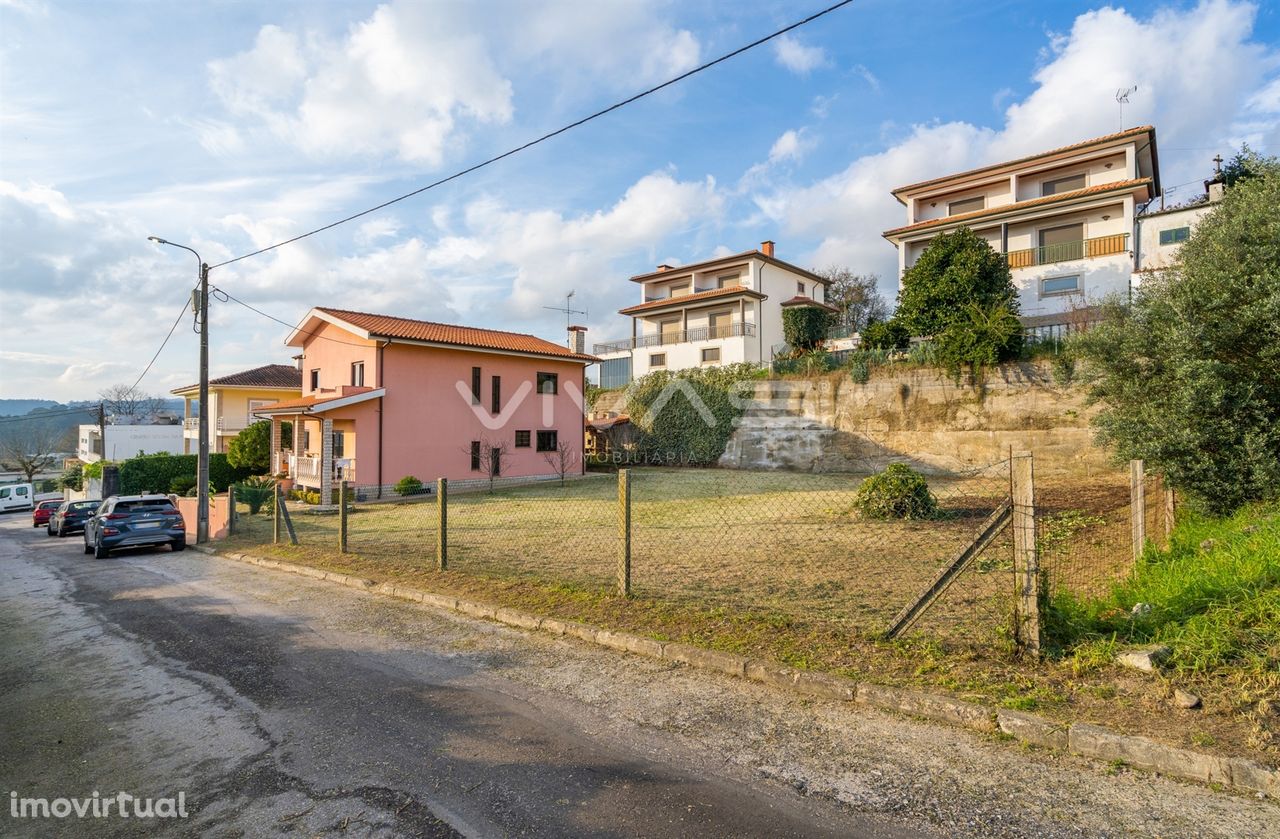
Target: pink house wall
(427,425)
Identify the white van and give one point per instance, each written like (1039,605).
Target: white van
(16,497)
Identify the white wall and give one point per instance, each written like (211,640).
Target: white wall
(1151,254)
(125,441)
(1100,278)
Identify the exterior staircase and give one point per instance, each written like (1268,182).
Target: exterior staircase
(774,432)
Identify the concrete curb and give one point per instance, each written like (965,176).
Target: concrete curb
(1083,739)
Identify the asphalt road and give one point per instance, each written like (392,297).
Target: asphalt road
(283,706)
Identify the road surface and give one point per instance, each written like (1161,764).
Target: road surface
(282,705)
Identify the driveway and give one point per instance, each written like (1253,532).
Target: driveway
(283,705)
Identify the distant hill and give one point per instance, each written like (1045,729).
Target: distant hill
(18,407)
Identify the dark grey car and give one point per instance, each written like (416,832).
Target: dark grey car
(134,521)
(71,516)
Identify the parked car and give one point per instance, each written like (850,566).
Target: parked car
(43,512)
(16,497)
(71,516)
(134,521)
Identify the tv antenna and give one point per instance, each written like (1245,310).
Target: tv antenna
(1122,99)
(568,310)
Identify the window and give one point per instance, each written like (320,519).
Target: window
(306,439)
(729,281)
(658,359)
(475,385)
(1059,285)
(495,461)
(357,374)
(966,205)
(1060,185)
(496,395)
(799,288)
(1061,243)
(475,455)
(315,379)
(547,441)
(338,444)
(1175,235)
(522,439)
(711,355)
(679,290)
(548,383)
(720,323)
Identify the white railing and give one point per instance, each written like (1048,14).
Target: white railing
(191,424)
(304,468)
(235,422)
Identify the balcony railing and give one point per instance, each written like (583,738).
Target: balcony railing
(700,333)
(1067,251)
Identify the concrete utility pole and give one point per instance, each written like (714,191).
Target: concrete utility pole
(202,460)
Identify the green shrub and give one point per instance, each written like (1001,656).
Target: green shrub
(665,408)
(258,493)
(981,335)
(72,479)
(1063,367)
(93,470)
(886,335)
(154,472)
(805,327)
(899,492)
(182,483)
(408,485)
(859,370)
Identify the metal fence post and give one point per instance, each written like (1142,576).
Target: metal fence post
(276,504)
(231,509)
(1026,560)
(342,516)
(1138,506)
(624,532)
(442,528)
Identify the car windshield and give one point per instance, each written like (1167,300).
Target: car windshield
(81,506)
(146,505)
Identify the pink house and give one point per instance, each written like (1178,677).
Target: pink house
(387,397)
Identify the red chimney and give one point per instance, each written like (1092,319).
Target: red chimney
(766,247)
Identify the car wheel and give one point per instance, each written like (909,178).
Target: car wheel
(48,529)
(61,532)
(87,547)
(100,552)
(178,545)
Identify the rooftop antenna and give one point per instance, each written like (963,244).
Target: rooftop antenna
(568,310)
(1122,99)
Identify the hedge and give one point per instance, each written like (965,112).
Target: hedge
(677,433)
(156,472)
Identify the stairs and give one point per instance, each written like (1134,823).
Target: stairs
(774,433)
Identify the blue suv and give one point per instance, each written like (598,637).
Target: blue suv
(134,521)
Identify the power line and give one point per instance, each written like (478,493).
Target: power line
(615,106)
(163,343)
(292,326)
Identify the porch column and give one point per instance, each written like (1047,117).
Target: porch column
(326,460)
(275,443)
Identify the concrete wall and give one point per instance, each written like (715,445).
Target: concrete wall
(1151,254)
(923,418)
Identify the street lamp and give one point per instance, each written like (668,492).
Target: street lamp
(202,461)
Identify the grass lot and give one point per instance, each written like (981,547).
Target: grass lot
(776,565)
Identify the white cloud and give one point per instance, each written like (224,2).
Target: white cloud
(797,57)
(867,76)
(1206,86)
(791,146)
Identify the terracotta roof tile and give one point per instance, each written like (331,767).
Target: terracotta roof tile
(1106,138)
(677,270)
(711,294)
(268,375)
(1114,186)
(801,300)
(389,326)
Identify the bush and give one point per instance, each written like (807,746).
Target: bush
(859,370)
(72,479)
(886,335)
(899,492)
(182,483)
(667,410)
(805,327)
(982,335)
(258,493)
(154,472)
(408,485)
(251,448)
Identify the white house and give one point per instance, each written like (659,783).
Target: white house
(1065,219)
(120,442)
(1161,232)
(719,311)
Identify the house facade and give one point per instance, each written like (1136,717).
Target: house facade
(121,442)
(233,399)
(1065,219)
(719,311)
(384,398)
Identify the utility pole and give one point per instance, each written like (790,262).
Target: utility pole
(202,462)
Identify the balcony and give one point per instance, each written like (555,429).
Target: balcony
(700,333)
(1067,251)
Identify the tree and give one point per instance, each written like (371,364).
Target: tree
(30,448)
(1246,164)
(856,296)
(492,458)
(956,269)
(805,327)
(561,458)
(251,448)
(1189,376)
(129,403)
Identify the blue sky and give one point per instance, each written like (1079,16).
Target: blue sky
(229,125)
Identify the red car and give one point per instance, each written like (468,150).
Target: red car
(40,515)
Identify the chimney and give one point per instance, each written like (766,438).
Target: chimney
(1216,189)
(578,339)
(766,247)
(664,267)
